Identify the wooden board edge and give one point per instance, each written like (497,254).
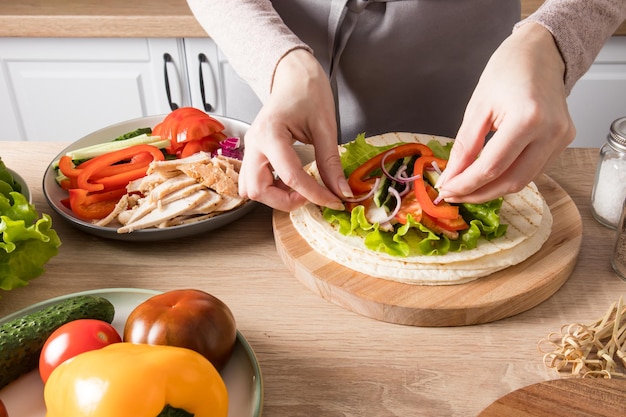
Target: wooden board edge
(313,275)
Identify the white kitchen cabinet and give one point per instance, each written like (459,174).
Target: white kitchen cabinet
(599,97)
(225,93)
(60,89)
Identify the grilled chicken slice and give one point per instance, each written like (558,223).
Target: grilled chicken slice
(147,204)
(164,212)
(173,164)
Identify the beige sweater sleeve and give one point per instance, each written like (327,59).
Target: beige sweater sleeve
(580,29)
(252,36)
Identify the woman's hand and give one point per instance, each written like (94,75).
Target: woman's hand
(300,108)
(521,98)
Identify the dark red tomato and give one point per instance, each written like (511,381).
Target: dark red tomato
(187,318)
(73,338)
(3,410)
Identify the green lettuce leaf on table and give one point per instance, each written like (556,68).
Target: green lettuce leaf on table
(27,241)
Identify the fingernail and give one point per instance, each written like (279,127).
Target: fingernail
(345,189)
(443,195)
(336,205)
(440,180)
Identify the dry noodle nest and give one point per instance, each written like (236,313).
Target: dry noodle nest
(596,350)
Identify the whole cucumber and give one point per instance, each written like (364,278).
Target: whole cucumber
(22,339)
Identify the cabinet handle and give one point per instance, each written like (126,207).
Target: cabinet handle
(203,60)
(167,58)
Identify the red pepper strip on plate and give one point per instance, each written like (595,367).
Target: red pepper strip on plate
(358,179)
(66,166)
(440,211)
(122,179)
(140,160)
(94,206)
(108,159)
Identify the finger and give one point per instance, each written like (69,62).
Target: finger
(257,182)
(516,176)
(497,156)
(468,144)
(296,178)
(331,171)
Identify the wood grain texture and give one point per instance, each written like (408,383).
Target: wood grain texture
(317,358)
(95,18)
(563,398)
(119,18)
(502,294)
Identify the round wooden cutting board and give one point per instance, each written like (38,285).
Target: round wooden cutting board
(563,398)
(502,294)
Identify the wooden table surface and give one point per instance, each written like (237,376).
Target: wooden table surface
(319,359)
(120,18)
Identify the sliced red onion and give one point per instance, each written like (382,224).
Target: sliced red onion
(407,189)
(405,179)
(365,196)
(230,153)
(388,174)
(384,160)
(393,213)
(231,143)
(436,167)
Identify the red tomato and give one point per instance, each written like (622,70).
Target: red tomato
(73,338)
(3,410)
(411,206)
(186,124)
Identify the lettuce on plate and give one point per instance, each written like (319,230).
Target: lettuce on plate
(27,241)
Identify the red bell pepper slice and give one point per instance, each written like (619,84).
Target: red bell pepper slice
(439,211)
(453,225)
(108,159)
(358,179)
(122,179)
(140,160)
(94,206)
(67,168)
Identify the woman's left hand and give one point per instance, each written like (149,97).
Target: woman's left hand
(521,98)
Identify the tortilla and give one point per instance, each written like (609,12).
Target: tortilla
(526,213)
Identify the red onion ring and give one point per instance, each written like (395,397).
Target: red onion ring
(396,194)
(388,174)
(365,196)
(436,167)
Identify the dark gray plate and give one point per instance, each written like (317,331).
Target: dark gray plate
(54,194)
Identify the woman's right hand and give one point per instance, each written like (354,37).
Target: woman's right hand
(300,108)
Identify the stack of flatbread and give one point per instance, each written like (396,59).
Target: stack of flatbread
(526,213)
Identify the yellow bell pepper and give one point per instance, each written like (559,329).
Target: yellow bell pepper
(135,380)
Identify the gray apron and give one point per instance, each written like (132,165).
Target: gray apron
(401,65)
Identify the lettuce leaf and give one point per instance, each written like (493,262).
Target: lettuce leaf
(357,152)
(27,241)
(413,238)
